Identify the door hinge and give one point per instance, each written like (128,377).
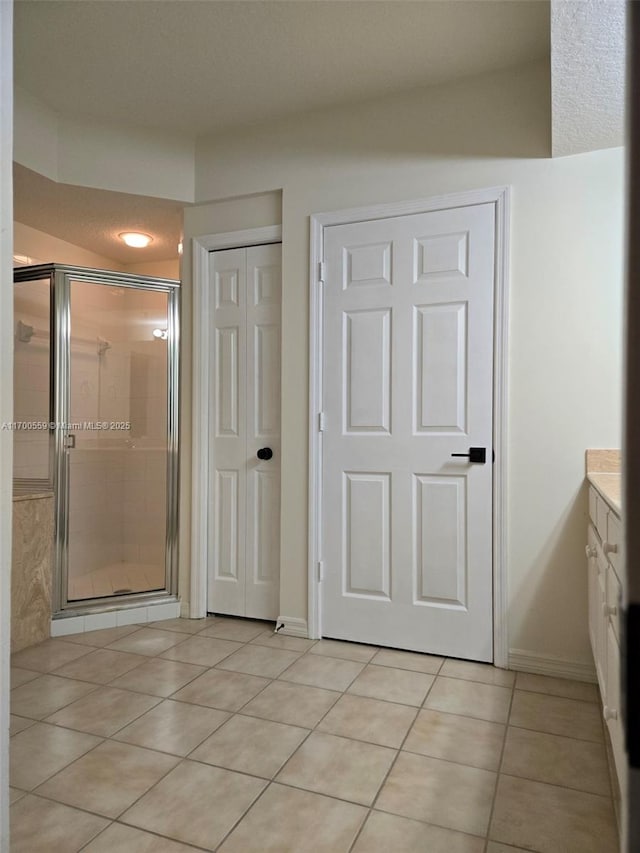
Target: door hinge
(322,422)
(321,272)
(320,570)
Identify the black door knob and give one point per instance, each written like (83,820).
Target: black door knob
(478,455)
(265,453)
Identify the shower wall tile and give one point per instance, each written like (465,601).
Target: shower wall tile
(31,571)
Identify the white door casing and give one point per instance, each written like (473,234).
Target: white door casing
(406,530)
(244,395)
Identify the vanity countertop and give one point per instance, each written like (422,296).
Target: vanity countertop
(604,473)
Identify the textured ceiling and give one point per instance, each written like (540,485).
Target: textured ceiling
(588,74)
(93,218)
(204,67)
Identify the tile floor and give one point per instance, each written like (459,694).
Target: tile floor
(219,735)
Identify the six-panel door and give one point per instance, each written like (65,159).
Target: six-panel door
(407,382)
(244,523)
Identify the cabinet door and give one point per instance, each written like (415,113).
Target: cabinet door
(612,710)
(593,593)
(601,620)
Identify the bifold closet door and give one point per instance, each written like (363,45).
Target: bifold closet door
(244,522)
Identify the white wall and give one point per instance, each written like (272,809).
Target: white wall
(108,157)
(6,397)
(566,286)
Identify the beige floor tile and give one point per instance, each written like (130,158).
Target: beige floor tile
(454,738)
(557,687)
(282,641)
(239,630)
(258,660)
(103,636)
(228,691)
(392,685)
(294,704)
(558,716)
(127,839)
(148,641)
(344,651)
(184,626)
(439,792)
(159,677)
(173,727)
(40,826)
(100,666)
(48,693)
(347,769)
(203,651)
(470,698)
(18,724)
(384,833)
(104,711)
(196,804)
(15,795)
(22,676)
(108,779)
(251,745)
(320,671)
(48,655)
(483,672)
(408,660)
(286,820)
(371,720)
(495,847)
(550,819)
(42,750)
(557,760)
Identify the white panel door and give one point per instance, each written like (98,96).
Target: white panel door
(408,376)
(244,523)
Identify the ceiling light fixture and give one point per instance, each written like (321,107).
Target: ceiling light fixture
(135,239)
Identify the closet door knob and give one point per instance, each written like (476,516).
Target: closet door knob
(264,453)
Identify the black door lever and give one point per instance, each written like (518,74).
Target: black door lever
(478,455)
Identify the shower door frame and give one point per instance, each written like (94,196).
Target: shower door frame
(61,277)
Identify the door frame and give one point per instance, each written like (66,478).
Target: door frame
(500,198)
(201,453)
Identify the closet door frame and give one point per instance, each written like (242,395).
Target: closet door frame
(200,406)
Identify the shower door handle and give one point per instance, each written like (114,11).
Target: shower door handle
(70,442)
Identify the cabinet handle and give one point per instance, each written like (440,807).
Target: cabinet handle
(609,610)
(610,548)
(610,713)
(591,551)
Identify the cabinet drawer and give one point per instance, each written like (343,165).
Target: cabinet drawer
(614,601)
(602,512)
(613,541)
(593,497)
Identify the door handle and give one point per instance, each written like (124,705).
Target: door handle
(477,455)
(264,453)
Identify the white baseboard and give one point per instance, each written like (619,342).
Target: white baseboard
(558,667)
(65,626)
(292,627)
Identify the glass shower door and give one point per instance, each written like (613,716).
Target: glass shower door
(116,440)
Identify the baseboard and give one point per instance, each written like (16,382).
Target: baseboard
(292,627)
(558,667)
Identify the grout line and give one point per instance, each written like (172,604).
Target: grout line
(499,768)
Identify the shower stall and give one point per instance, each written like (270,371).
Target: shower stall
(96,419)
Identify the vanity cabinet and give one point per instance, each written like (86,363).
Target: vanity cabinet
(605,588)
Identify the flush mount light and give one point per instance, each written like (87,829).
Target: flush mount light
(135,239)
